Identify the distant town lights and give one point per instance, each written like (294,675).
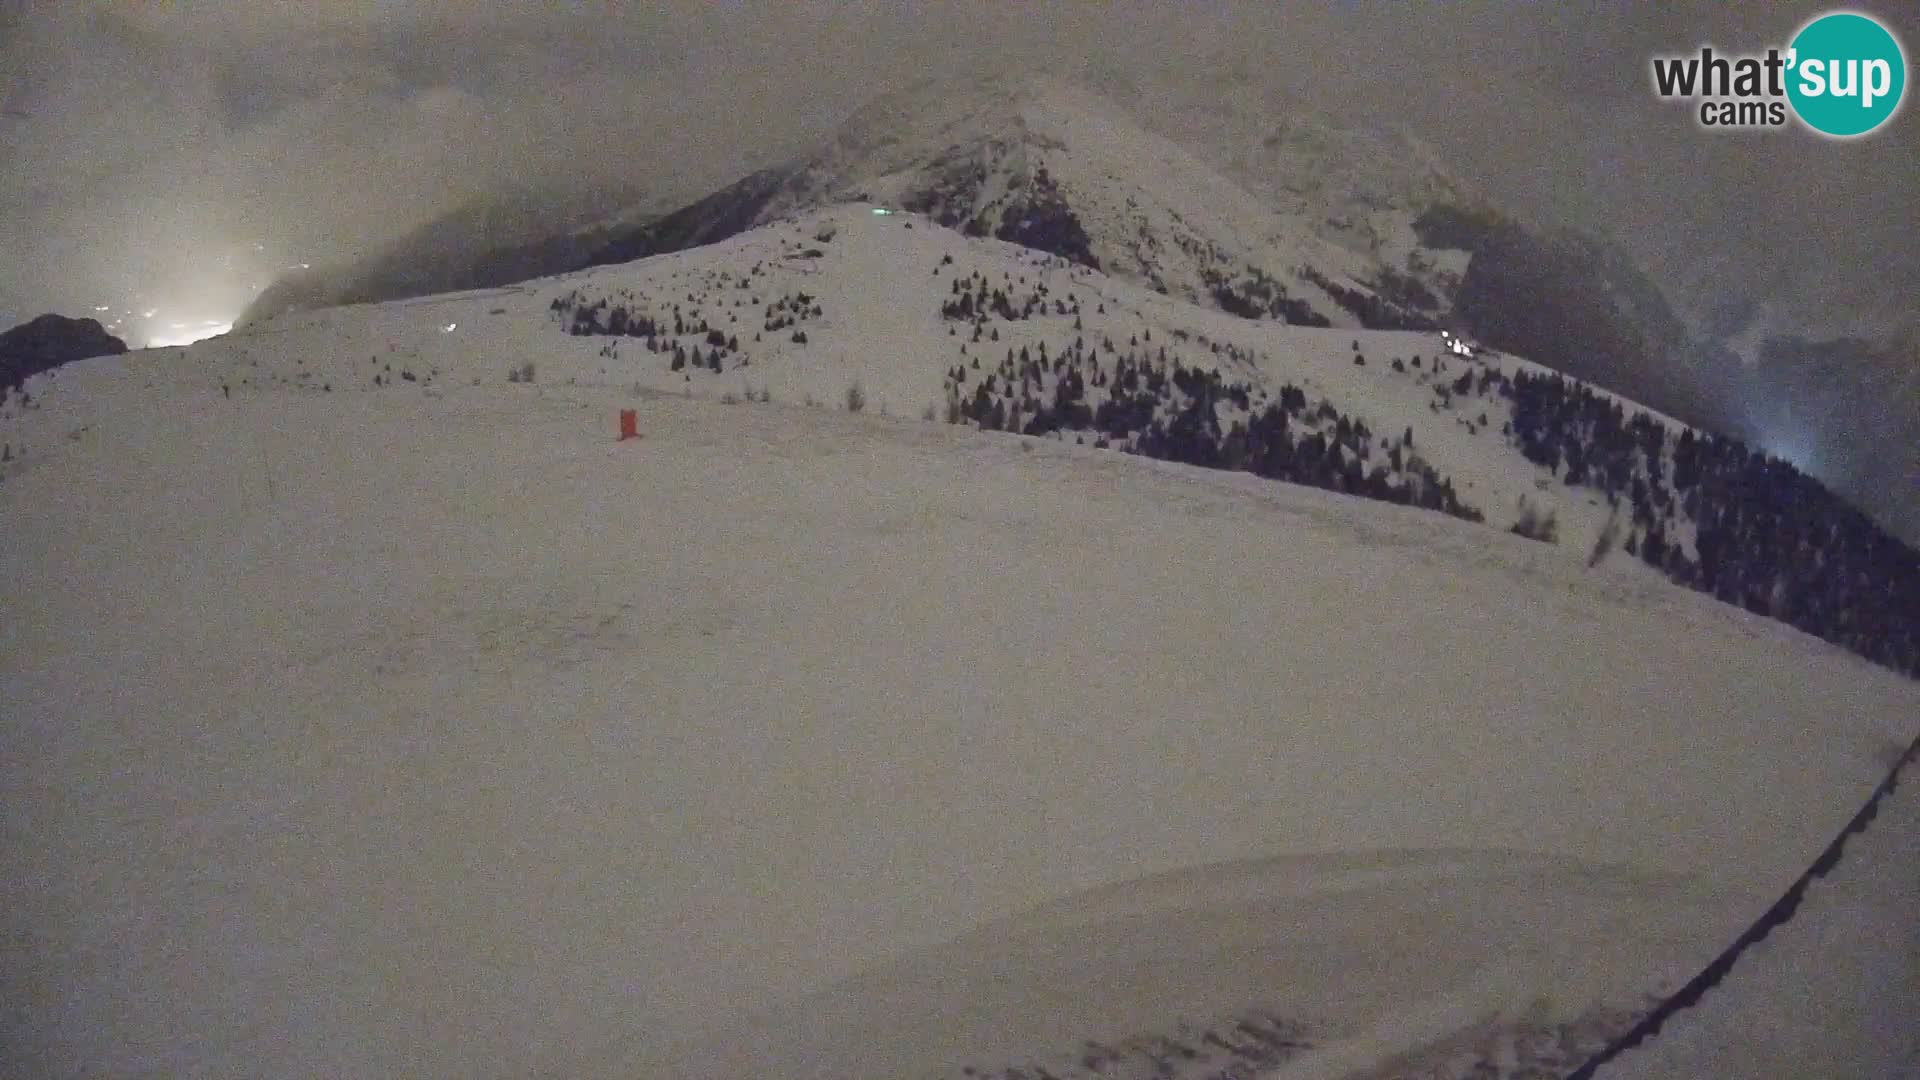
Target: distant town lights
(188,335)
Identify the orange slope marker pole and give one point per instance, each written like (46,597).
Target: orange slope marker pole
(629,425)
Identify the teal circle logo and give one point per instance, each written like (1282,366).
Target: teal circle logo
(1846,74)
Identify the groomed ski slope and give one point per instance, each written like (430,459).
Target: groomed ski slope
(419,728)
(434,733)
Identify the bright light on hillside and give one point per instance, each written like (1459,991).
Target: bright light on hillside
(187,335)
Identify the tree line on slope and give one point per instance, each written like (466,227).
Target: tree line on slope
(1160,407)
(1768,537)
(603,317)
(1763,535)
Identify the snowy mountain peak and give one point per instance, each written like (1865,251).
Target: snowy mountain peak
(1053,165)
(1224,197)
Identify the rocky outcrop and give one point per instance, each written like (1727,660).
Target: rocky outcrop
(49,341)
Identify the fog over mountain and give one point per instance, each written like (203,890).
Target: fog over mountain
(180,159)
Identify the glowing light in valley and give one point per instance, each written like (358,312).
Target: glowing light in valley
(1792,444)
(103,307)
(149,313)
(188,335)
(448,329)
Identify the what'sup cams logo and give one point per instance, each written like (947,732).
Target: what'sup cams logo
(1842,75)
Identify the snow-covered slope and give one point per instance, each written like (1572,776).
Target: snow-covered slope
(869,301)
(1197,186)
(1851,991)
(1358,187)
(369,713)
(1043,162)
(928,322)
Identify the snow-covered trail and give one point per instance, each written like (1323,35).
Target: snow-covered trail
(1356,958)
(441,735)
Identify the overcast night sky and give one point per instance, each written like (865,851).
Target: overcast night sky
(188,153)
(956,539)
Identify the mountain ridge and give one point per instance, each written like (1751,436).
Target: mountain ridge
(997,335)
(1261,212)
(1042,162)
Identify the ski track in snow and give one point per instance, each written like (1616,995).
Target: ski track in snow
(1829,992)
